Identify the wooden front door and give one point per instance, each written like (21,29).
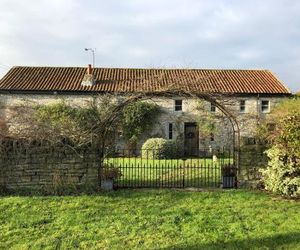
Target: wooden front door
(191,139)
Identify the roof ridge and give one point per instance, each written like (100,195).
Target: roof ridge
(82,67)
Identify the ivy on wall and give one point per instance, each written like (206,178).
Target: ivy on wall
(206,121)
(137,118)
(80,125)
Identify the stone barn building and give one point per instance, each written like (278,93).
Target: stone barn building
(249,95)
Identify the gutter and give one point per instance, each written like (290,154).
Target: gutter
(84,92)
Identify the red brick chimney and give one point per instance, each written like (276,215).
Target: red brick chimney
(89,69)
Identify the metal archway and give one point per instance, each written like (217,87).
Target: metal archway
(212,98)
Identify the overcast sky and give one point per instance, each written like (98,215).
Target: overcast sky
(235,34)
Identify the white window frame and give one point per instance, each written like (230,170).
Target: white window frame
(175,100)
(245,106)
(261,106)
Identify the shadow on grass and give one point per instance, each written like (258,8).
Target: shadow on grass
(278,241)
(118,193)
(196,182)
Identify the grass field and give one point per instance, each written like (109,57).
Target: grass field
(138,172)
(151,219)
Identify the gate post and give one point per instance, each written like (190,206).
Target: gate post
(183,174)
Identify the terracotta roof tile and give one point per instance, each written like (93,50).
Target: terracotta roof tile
(136,80)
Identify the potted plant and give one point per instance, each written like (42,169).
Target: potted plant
(109,173)
(228,176)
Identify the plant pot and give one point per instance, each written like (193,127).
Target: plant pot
(228,182)
(107,185)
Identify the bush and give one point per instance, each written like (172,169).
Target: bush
(282,175)
(272,126)
(110,172)
(283,172)
(159,148)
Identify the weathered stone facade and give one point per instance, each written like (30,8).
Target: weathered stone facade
(193,110)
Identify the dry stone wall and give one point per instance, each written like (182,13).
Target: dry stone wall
(252,158)
(47,169)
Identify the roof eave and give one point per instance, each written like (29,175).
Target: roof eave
(93,92)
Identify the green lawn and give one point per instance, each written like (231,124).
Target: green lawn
(151,219)
(138,172)
(167,162)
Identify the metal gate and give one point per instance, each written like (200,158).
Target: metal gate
(148,169)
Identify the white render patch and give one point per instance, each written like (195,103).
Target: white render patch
(88,80)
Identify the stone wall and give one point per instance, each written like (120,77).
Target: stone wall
(46,169)
(252,158)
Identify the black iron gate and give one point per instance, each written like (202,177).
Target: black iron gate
(209,169)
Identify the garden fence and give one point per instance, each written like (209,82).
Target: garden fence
(153,169)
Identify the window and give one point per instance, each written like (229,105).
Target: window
(170,131)
(265,106)
(242,106)
(212,108)
(212,137)
(178,105)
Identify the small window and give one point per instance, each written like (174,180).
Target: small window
(212,137)
(265,106)
(242,106)
(178,105)
(213,108)
(170,131)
